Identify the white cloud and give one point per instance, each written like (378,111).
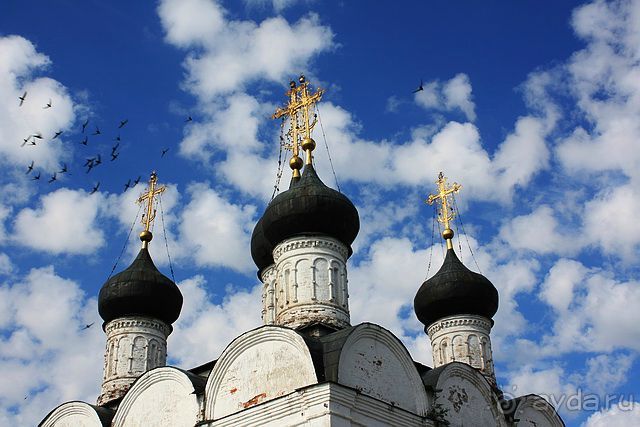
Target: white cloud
(46,357)
(216,231)
(277,5)
(204,329)
(64,222)
(623,414)
(540,232)
(606,372)
(20,61)
(454,94)
(240,51)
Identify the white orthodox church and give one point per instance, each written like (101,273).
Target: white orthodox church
(307,365)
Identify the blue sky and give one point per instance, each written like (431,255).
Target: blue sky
(531,106)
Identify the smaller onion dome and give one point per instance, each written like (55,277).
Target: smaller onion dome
(140,290)
(307,207)
(455,289)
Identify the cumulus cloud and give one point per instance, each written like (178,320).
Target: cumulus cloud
(540,232)
(623,414)
(204,329)
(46,357)
(239,51)
(454,94)
(64,222)
(18,74)
(216,231)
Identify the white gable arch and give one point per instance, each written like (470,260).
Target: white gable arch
(73,414)
(258,366)
(376,363)
(163,396)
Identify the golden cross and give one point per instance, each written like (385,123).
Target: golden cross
(150,214)
(446,213)
(297,109)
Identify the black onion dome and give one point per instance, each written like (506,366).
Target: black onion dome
(261,249)
(307,207)
(455,289)
(140,290)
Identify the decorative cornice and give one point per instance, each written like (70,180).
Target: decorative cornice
(326,243)
(455,321)
(138,322)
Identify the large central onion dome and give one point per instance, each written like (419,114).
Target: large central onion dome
(140,290)
(307,207)
(455,289)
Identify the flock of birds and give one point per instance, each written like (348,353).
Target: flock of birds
(91,162)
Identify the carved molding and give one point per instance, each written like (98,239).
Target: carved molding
(138,322)
(326,243)
(456,321)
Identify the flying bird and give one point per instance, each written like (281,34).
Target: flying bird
(85,141)
(53,178)
(97,132)
(164,152)
(64,168)
(95,188)
(117,138)
(136,181)
(24,141)
(87,326)
(115,148)
(30,168)
(421,87)
(122,123)
(189,119)
(127,185)
(57,134)
(48,104)
(22,98)
(114,156)
(36,177)
(97,160)
(37,135)
(84,125)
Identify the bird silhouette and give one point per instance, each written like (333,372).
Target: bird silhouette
(37,135)
(114,156)
(189,119)
(32,142)
(136,181)
(87,326)
(22,98)
(115,148)
(53,178)
(64,168)
(164,152)
(97,160)
(24,141)
(48,104)
(84,125)
(85,141)
(122,123)
(117,138)
(127,185)
(97,132)
(57,134)
(36,177)
(421,87)
(30,168)
(95,188)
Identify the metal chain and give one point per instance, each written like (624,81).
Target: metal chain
(166,241)
(126,242)
(324,137)
(276,187)
(455,205)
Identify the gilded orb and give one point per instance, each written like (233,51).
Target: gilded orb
(296,163)
(308,144)
(146,236)
(447,234)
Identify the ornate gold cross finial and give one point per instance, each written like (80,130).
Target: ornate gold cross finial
(301,123)
(446,213)
(150,211)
